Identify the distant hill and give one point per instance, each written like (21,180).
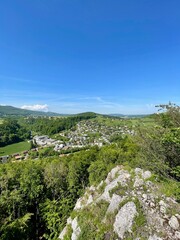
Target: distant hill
(128,116)
(13,111)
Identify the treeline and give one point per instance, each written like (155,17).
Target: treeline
(36,197)
(55,125)
(12,132)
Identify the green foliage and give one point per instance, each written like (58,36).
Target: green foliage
(54,214)
(91,222)
(98,171)
(160,145)
(45,189)
(171,144)
(139,221)
(169,187)
(53,126)
(170,116)
(78,170)
(15,229)
(55,178)
(176,172)
(12,132)
(68,233)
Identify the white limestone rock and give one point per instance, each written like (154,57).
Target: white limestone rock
(177,235)
(153,204)
(76,229)
(63,233)
(92,189)
(111,175)
(69,220)
(138,171)
(124,219)
(154,237)
(122,179)
(101,183)
(178,216)
(146,174)
(79,204)
(163,207)
(85,200)
(173,222)
(138,182)
(114,204)
(145,197)
(89,200)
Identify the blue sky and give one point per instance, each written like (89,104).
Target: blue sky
(69,56)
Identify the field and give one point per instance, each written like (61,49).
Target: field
(145,121)
(1,120)
(14,148)
(120,122)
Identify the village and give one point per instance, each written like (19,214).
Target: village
(86,134)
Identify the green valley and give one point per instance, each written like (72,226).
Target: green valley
(67,156)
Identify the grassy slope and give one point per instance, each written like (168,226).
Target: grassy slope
(120,122)
(14,148)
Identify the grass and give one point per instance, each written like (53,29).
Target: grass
(170,188)
(90,220)
(14,148)
(146,121)
(121,122)
(1,120)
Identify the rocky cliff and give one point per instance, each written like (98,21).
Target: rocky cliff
(129,204)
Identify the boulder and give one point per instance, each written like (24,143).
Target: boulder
(173,222)
(124,219)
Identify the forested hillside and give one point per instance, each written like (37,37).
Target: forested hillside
(12,132)
(13,111)
(55,125)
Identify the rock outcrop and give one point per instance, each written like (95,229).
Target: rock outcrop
(127,205)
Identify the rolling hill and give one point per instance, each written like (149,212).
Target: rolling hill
(13,111)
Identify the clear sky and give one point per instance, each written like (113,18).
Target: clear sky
(106,56)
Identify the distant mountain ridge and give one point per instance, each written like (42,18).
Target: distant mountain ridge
(14,111)
(128,115)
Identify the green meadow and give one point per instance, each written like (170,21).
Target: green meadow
(14,148)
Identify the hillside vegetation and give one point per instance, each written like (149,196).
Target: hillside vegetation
(38,196)
(13,111)
(12,132)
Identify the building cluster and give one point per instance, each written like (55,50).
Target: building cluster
(90,133)
(87,133)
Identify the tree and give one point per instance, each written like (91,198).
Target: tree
(160,144)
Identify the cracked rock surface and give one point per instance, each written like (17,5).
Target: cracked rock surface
(126,205)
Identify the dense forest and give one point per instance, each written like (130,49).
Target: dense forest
(37,196)
(12,132)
